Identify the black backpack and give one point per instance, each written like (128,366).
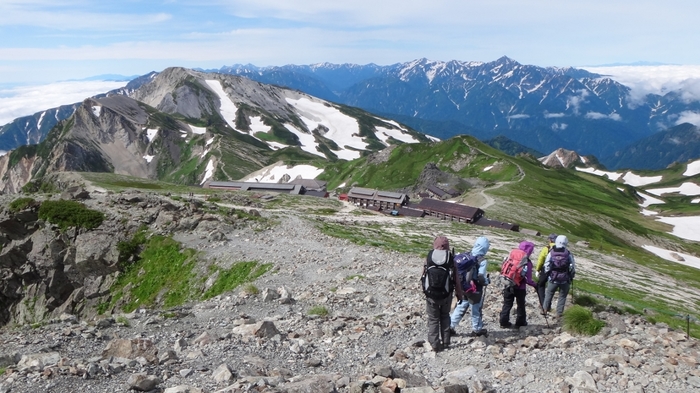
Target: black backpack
(438,278)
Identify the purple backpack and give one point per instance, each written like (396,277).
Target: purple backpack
(559,264)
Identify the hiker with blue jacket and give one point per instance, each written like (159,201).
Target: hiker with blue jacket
(560,267)
(440,283)
(481,247)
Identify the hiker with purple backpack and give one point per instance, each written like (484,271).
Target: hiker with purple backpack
(474,287)
(539,269)
(560,267)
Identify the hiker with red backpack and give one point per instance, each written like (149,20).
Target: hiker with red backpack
(474,279)
(560,267)
(539,269)
(517,272)
(440,282)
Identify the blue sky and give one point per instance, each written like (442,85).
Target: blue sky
(50,40)
(45,41)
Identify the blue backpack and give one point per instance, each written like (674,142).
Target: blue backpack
(468,270)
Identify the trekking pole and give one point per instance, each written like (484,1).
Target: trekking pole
(542,309)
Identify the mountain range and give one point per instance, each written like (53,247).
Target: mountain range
(540,108)
(188,127)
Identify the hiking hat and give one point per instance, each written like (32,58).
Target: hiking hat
(552,237)
(526,246)
(561,241)
(441,243)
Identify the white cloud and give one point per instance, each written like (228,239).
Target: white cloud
(548,115)
(559,126)
(27,100)
(644,80)
(574,102)
(599,116)
(521,116)
(689,117)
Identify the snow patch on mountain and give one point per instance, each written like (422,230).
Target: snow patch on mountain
(384,133)
(687,260)
(275,172)
(639,181)
(308,142)
(209,171)
(342,129)
(684,227)
(692,169)
(228,108)
(151,133)
(96,110)
(649,200)
(614,176)
(687,188)
(198,130)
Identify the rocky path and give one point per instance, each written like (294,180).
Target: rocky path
(372,340)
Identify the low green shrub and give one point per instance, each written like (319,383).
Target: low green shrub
(68,214)
(239,273)
(318,310)
(20,204)
(579,320)
(585,301)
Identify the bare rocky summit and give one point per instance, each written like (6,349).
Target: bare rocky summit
(373,338)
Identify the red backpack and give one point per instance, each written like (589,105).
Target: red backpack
(512,268)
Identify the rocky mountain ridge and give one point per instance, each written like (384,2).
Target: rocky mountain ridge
(544,108)
(371,340)
(189,127)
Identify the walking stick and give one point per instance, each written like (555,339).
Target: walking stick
(542,309)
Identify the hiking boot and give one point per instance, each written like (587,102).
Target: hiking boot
(506,325)
(479,333)
(453,332)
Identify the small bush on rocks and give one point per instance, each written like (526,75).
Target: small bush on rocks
(318,310)
(67,214)
(20,204)
(580,320)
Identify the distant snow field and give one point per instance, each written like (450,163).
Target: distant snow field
(639,181)
(342,129)
(689,260)
(692,169)
(384,133)
(649,200)
(611,175)
(684,227)
(198,130)
(687,188)
(148,158)
(96,110)
(151,133)
(209,171)
(274,174)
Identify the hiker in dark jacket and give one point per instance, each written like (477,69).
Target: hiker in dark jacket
(517,293)
(438,310)
(560,267)
(539,269)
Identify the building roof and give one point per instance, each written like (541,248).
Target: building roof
(256,186)
(437,191)
(377,195)
(454,209)
(408,212)
(310,184)
(484,222)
